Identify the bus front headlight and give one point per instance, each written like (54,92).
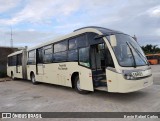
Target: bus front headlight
(127,74)
(136,74)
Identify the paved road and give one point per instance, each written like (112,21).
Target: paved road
(156,74)
(21,95)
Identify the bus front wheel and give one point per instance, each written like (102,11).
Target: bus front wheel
(33,79)
(77,86)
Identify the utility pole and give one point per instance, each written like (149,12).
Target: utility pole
(11,38)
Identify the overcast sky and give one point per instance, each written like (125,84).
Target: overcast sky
(36,21)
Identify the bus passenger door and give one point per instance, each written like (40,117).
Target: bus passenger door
(19,66)
(39,64)
(98,65)
(86,82)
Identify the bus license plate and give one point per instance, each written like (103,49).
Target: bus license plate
(137,74)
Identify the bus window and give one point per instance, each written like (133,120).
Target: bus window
(72,55)
(60,53)
(19,59)
(73,43)
(12,61)
(61,46)
(31,57)
(48,52)
(60,56)
(82,41)
(84,57)
(78,42)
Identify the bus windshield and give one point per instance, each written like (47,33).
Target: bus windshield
(127,51)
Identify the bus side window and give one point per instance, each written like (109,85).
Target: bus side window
(84,56)
(72,55)
(48,53)
(19,59)
(60,51)
(12,60)
(31,57)
(73,52)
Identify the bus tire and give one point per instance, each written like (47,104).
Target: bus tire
(33,79)
(12,76)
(77,86)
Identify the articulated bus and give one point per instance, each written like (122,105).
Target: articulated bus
(90,58)
(16,67)
(153,59)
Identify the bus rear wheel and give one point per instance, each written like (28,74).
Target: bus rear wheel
(77,86)
(33,79)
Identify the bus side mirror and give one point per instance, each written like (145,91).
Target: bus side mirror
(98,37)
(135,38)
(113,40)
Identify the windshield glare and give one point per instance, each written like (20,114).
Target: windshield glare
(129,54)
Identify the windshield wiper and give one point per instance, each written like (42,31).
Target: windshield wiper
(132,55)
(140,54)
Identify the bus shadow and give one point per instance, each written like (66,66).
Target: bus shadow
(22,80)
(47,85)
(124,97)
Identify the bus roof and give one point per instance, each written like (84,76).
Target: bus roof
(101,29)
(15,53)
(98,30)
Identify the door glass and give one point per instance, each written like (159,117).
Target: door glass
(84,56)
(101,51)
(97,56)
(40,55)
(93,58)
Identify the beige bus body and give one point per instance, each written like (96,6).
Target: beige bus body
(62,73)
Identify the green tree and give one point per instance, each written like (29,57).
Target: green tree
(151,49)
